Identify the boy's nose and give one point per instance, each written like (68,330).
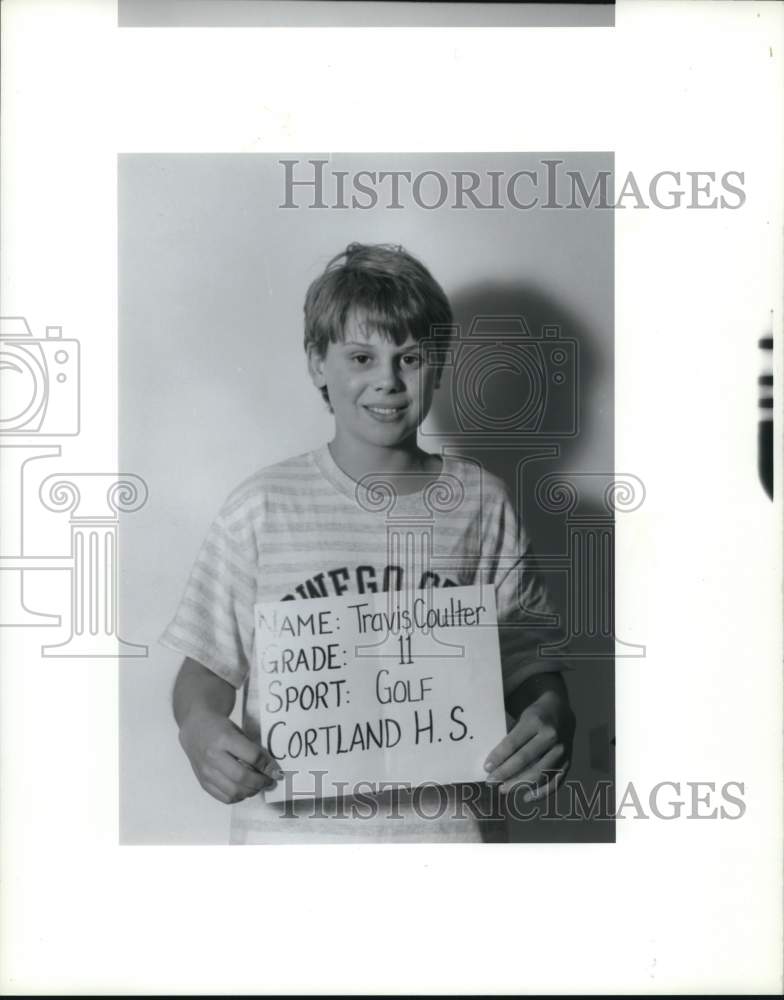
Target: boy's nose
(388,379)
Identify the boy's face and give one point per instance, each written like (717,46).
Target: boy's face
(380,392)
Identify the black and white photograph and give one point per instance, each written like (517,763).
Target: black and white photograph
(394,376)
(390,424)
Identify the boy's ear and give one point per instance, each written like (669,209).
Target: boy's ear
(316,368)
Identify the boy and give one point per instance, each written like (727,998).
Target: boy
(308,527)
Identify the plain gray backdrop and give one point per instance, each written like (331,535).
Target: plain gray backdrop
(213,385)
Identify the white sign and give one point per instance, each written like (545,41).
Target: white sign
(391,687)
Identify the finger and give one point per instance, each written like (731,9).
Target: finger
(248,778)
(267,765)
(543,734)
(520,760)
(252,754)
(524,731)
(230,789)
(545,790)
(536,773)
(225,786)
(216,792)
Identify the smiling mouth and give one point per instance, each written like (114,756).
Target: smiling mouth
(386,412)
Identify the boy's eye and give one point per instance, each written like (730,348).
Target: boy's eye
(360,359)
(411,360)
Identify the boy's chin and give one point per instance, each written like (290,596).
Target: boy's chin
(393,437)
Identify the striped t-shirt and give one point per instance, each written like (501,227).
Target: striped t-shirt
(304,529)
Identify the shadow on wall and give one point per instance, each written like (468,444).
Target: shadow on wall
(525,398)
(506,387)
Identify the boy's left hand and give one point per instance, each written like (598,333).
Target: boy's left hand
(537,751)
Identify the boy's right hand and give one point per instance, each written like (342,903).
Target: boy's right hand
(227,764)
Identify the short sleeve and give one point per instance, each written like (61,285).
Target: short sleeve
(527,617)
(214,621)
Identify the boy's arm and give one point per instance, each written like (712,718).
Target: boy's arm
(196,687)
(227,764)
(537,750)
(534,688)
